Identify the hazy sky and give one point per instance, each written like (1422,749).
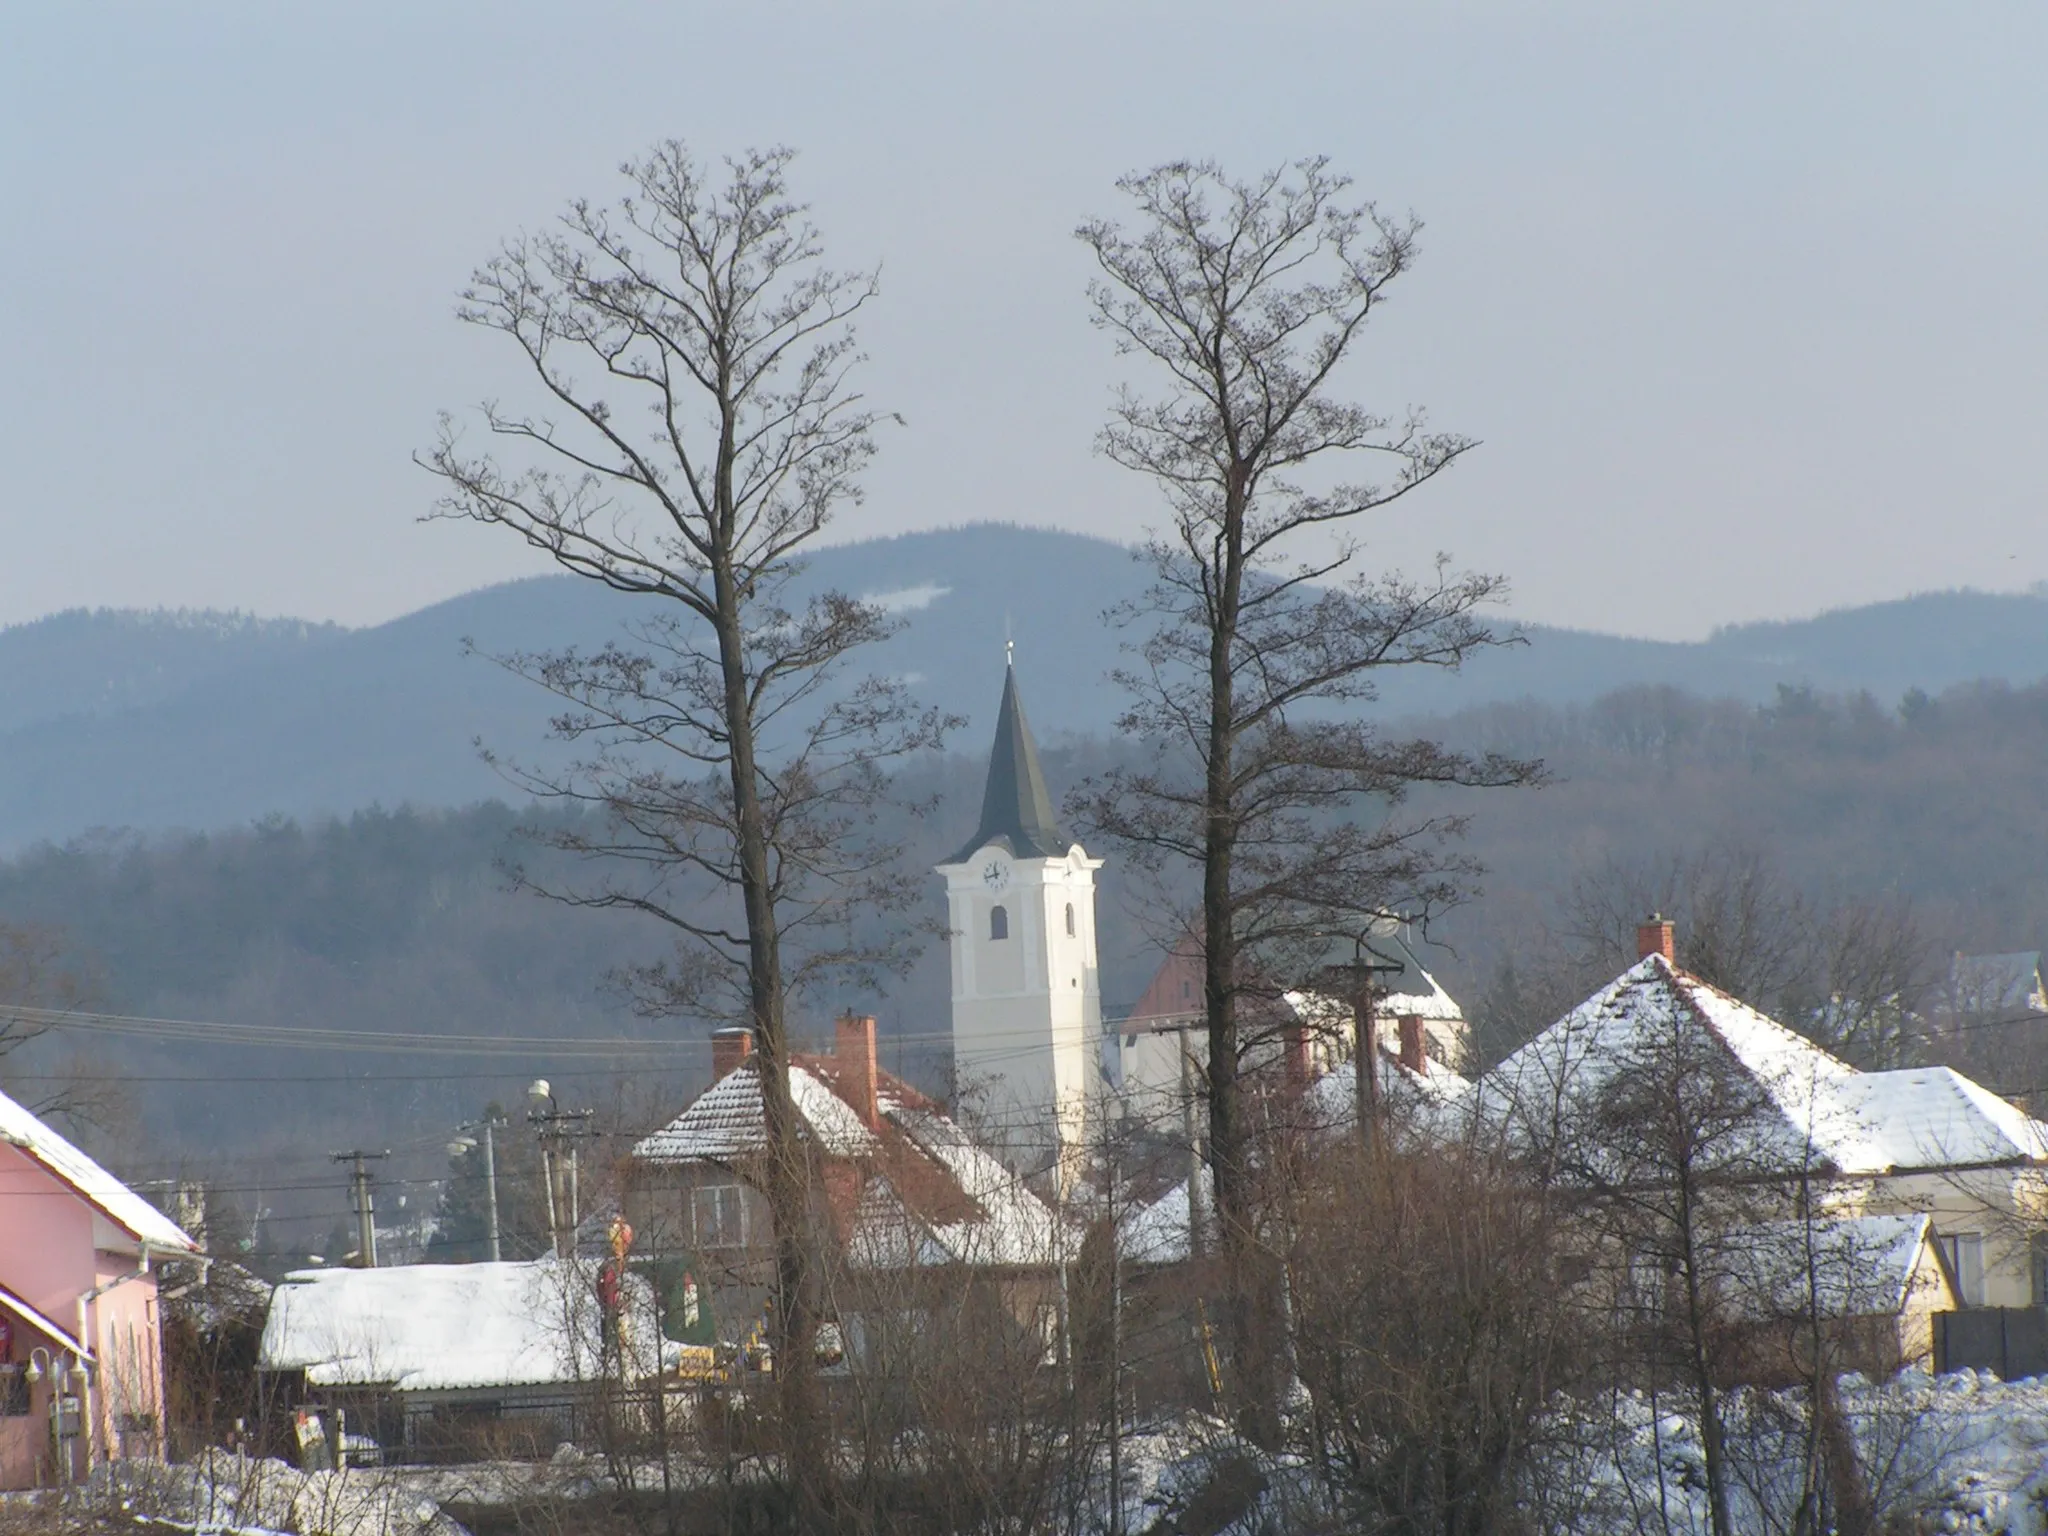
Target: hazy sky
(1746,302)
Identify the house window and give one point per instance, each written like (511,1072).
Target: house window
(720,1212)
(999,922)
(1070,919)
(1964,1253)
(13,1392)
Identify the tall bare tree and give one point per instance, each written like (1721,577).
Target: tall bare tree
(1263,634)
(697,428)
(1853,975)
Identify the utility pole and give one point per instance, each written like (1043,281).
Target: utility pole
(1357,974)
(555,1125)
(491,1185)
(464,1142)
(366,1211)
(1116,1342)
(1191,1131)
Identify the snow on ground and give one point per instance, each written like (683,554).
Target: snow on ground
(1964,1453)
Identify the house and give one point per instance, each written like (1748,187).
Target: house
(1414,1090)
(1159,1051)
(81,1348)
(1916,1142)
(2007,988)
(469,1360)
(1875,1283)
(901,1190)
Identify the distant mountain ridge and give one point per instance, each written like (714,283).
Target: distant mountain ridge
(114,718)
(101,660)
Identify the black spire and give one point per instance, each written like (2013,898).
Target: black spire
(1015,809)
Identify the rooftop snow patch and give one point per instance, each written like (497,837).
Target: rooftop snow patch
(1815,1109)
(442,1327)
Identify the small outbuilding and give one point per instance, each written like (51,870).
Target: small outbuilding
(455,1361)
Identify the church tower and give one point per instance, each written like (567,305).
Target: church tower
(1027,1005)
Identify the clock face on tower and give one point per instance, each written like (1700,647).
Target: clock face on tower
(995,872)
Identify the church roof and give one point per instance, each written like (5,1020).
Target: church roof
(1016,811)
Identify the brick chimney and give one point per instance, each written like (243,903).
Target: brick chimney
(1657,935)
(855,1056)
(1414,1054)
(729,1047)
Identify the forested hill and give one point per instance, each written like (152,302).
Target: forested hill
(202,721)
(402,921)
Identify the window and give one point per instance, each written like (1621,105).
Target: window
(999,922)
(1964,1254)
(720,1211)
(13,1392)
(1070,919)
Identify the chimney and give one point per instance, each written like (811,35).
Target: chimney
(1657,935)
(855,1056)
(729,1047)
(1414,1055)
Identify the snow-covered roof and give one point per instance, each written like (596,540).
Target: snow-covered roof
(1813,1108)
(1003,1222)
(97,1187)
(726,1121)
(1332,1099)
(1158,1233)
(1931,1117)
(927,1192)
(1852,1266)
(440,1327)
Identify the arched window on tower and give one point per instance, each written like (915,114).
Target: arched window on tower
(999,922)
(1070,919)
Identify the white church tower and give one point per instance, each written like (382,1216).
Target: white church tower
(1027,1004)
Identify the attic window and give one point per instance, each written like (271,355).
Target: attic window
(999,922)
(1070,919)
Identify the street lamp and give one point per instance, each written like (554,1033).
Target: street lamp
(553,1124)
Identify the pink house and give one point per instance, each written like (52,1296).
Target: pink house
(81,1349)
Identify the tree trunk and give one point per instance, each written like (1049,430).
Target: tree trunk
(1713,1442)
(795,1322)
(1254,1394)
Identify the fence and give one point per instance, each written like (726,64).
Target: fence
(2011,1342)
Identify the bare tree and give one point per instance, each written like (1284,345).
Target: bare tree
(42,978)
(698,428)
(1434,1329)
(1852,975)
(1264,637)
